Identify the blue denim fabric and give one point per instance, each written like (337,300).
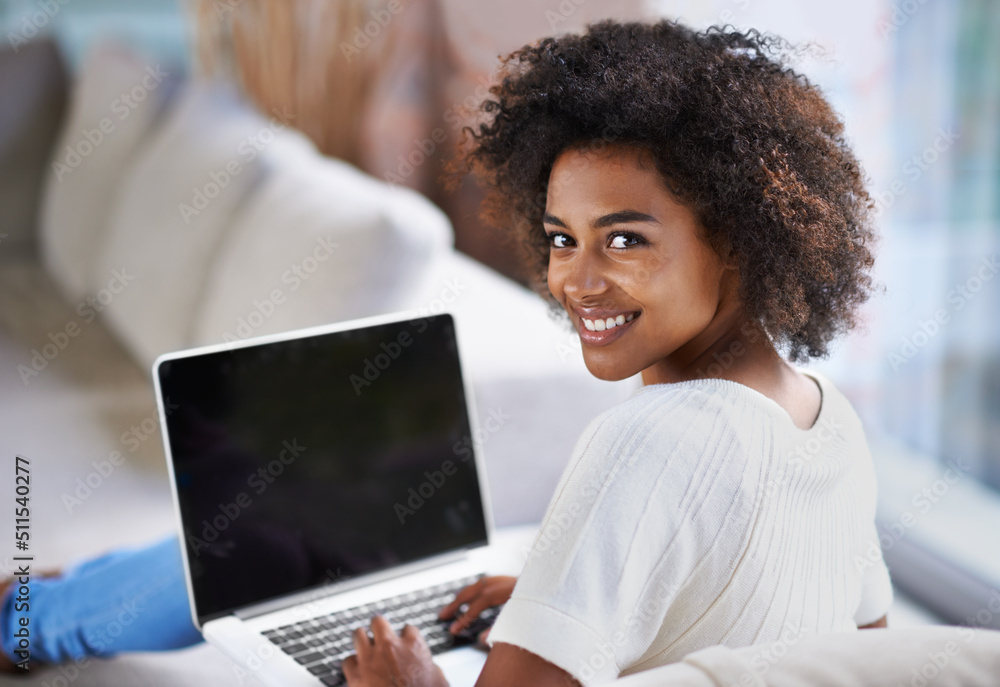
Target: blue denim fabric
(127,600)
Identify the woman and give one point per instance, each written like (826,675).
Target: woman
(693,208)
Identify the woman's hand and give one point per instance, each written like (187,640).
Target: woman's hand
(388,659)
(486,593)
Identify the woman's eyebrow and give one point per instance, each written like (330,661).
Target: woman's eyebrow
(620,217)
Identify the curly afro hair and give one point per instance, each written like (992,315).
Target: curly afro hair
(751,146)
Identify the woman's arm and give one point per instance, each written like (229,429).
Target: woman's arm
(881,622)
(509,665)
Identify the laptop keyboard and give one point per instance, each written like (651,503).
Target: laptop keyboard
(322,643)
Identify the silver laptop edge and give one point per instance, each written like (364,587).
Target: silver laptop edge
(298,597)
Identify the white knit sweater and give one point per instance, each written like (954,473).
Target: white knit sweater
(697,514)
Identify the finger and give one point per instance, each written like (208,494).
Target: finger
(411,633)
(483,637)
(382,631)
(500,589)
(415,641)
(464,595)
(351,669)
(362,644)
(477,606)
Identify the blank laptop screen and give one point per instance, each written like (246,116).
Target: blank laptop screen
(302,462)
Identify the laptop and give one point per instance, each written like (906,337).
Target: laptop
(321,477)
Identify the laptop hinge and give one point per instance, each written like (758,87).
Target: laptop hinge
(343,585)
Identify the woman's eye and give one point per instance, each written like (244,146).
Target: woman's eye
(624,240)
(559,240)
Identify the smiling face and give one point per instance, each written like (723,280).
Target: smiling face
(631,266)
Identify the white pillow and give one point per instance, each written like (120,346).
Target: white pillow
(318,242)
(115,102)
(175,206)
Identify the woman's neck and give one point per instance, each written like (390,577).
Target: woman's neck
(744,354)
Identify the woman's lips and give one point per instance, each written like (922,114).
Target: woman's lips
(596,338)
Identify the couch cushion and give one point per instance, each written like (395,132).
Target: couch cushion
(177,201)
(34,98)
(318,242)
(115,102)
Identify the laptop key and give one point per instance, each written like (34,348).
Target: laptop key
(325,668)
(292,649)
(307,659)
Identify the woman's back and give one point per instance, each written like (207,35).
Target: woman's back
(708,518)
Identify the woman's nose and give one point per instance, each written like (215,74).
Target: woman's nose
(584,276)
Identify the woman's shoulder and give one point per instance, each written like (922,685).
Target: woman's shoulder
(674,407)
(719,404)
(670,463)
(691,420)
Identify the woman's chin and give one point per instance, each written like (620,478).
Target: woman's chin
(608,372)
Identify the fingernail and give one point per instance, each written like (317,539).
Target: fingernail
(453,628)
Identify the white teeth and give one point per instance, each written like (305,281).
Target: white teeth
(609,323)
